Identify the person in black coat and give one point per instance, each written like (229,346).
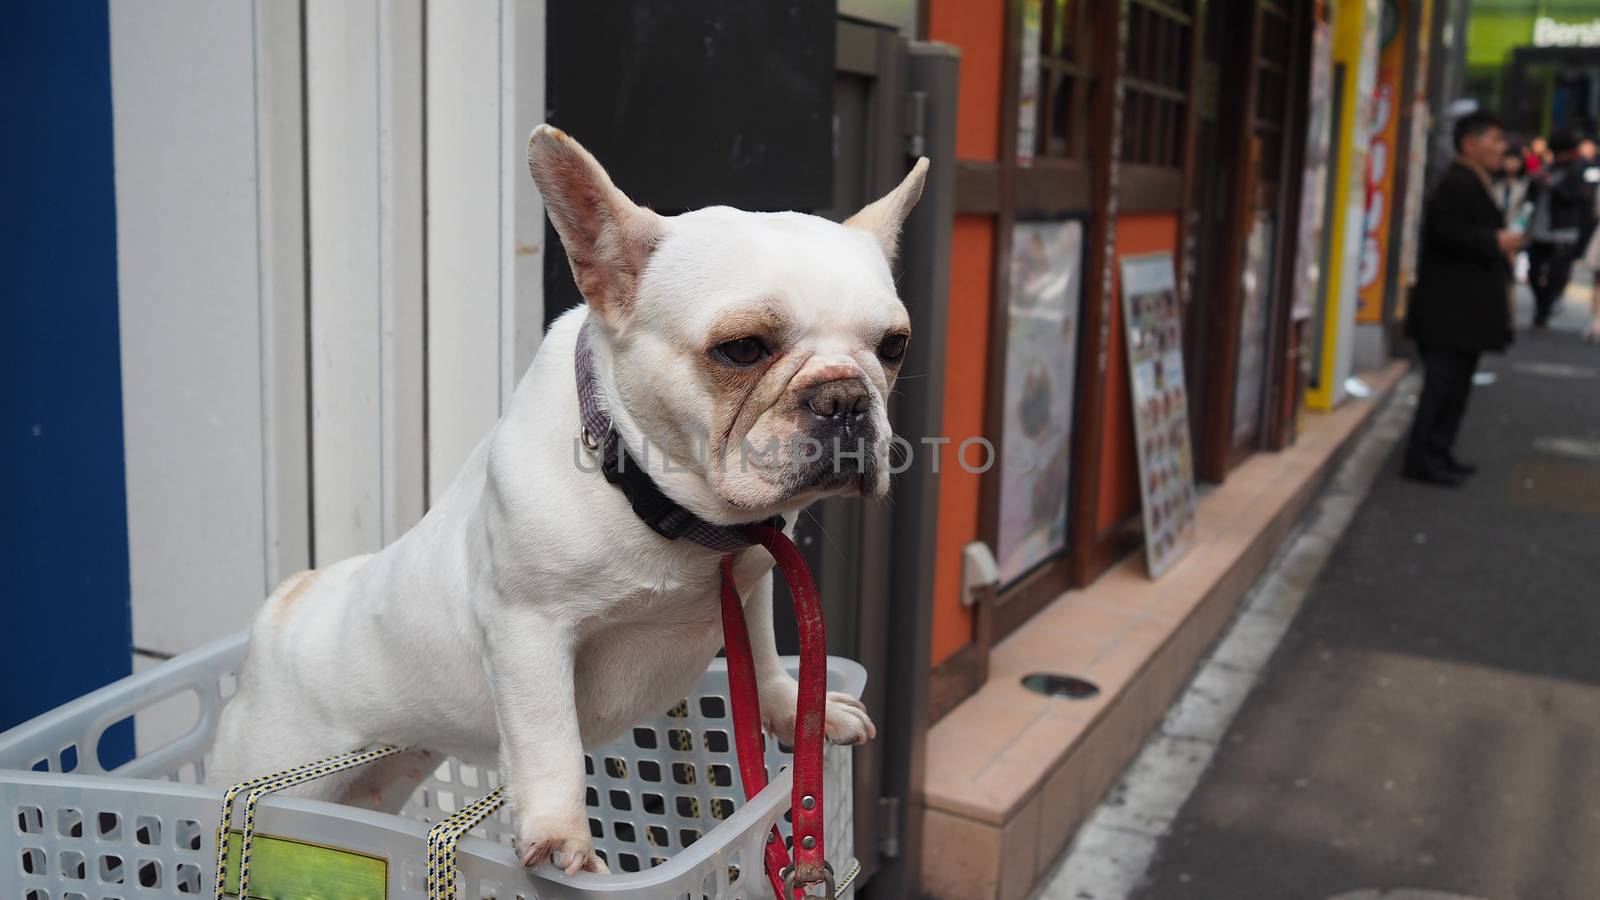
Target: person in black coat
(1461,305)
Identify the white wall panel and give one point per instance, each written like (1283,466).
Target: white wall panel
(281,238)
(522,108)
(485,219)
(197,262)
(295,386)
(400,227)
(362,108)
(464,154)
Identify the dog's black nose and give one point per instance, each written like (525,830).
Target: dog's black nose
(839,401)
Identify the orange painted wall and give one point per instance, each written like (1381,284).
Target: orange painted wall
(1119,467)
(966,359)
(977,27)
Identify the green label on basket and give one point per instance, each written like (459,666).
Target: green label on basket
(281,869)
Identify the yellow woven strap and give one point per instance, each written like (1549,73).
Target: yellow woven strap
(851,873)
(260,787)
(443,838)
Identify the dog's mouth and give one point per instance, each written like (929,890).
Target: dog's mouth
(802,469)
(841,469)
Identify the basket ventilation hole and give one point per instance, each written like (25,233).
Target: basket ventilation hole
(147,831)
(149,873)
(71,865)
(188,878)
(30,820)
(188,834)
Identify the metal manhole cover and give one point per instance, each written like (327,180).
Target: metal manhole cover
(1053,684)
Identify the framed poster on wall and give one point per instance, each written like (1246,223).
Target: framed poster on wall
(1152,319)
(1250,369)
(1046,289)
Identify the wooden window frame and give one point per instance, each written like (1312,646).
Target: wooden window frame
(1216,451)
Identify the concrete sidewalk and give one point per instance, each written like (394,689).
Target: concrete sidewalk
(1432,719)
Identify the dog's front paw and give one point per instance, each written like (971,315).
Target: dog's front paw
(568,850)
(847,721)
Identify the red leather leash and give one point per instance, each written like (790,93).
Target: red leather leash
(806,811)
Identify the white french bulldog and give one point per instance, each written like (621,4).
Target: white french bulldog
(531,614)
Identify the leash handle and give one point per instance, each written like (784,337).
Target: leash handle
(745,701)
(806,802)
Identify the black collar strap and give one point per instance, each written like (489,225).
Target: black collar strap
(654,508)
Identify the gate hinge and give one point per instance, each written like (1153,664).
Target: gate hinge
(916,123)
(889,827)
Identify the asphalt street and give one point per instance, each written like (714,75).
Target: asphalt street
(1431,720)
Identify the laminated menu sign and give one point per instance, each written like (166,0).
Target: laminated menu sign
(1152,319)
(1041,359)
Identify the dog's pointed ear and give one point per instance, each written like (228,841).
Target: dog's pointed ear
(608,237)
(883,217)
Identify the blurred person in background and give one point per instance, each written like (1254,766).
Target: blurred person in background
(1512,187)
(1460,307)
(1564,215)
(1537,154)
(1591,259)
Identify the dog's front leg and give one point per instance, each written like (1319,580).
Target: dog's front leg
(847,719)
(541,748)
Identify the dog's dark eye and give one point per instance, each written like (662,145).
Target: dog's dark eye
(892,348)
(745,351)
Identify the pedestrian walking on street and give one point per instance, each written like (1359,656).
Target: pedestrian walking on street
(1461,305)
(1563,218)
(1591,260)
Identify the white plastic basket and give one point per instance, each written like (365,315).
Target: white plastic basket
(664,804)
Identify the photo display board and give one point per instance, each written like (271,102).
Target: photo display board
(1046,290)
(1153,321)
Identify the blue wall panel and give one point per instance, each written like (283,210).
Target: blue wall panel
(64,554)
